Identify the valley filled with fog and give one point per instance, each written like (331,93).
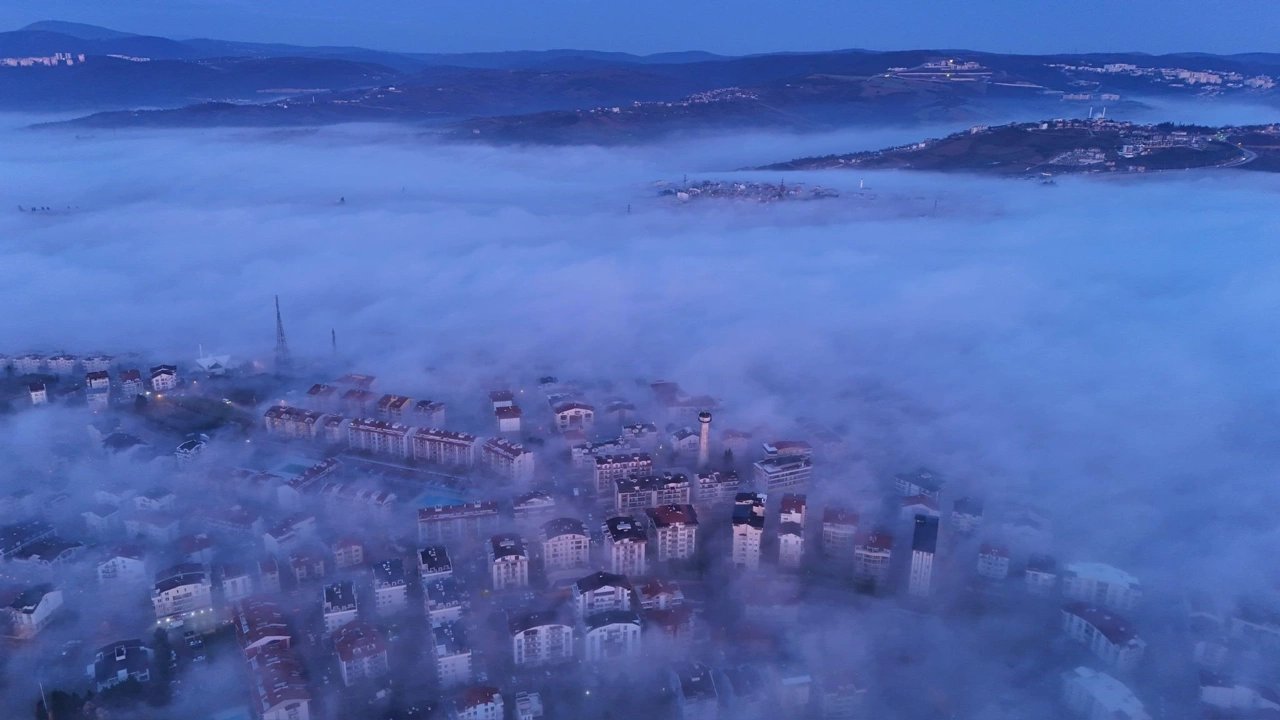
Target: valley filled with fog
(1102,348)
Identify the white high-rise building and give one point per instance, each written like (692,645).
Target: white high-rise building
(508,562)
(676,531)
(924,543)
(182,592)
(566,548)
(790,545)
(748,529)
(626,542)
(611,635)
(1101,584)
(540,638)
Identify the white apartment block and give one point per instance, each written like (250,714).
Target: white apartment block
(839,533)
(390,587)
(452,654)
(872,555)
(444,447)
(675,531)
(1108,636)
(291,422)
(993,562)
(783,473)
(609,468)
(748,530)
(62,364)
(573,415)
(611,636)
(1101,584)
(182,592)
(566,546)
(924,544)
(508,459)
(601,592)
(1096,695)
(626,542)
(31,611)
(508,562)
(540,639)
(339,605)
(790,545)
(164,378)
(380,437)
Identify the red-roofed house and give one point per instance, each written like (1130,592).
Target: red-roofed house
(362,652)
(478,703)
(277,686)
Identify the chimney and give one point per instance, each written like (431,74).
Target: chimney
(704,439)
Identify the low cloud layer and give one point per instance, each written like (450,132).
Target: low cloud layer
(1103,347)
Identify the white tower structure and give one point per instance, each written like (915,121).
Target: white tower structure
(704,439)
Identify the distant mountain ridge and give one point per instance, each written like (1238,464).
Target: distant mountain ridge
(567,96)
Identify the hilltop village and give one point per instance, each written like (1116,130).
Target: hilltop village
(327,547)
(1070,146)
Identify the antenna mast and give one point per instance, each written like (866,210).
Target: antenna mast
(283,360)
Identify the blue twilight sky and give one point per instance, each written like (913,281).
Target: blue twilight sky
(643,26)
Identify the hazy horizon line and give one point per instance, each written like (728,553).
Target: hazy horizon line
(724,55)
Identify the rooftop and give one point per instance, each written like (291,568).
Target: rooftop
(506,545)
(994,550)
(1117,629)
(793,503)
(922,478)
(358,640)
(450,638)
(475,696)
(446,512)
(563,526)
(784,463)
(624,528)
(878,540)
(526,621)
(612,617)
(28,600)
(444,435)
(435,558)
(667,515)
(600,579)
(839,516)
(389,572)
(621,459)
(339,596)
(924,537)
(696,682)
(1115,699)
(180,575)
(1101,572)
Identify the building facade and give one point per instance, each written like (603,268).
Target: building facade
(675,531)
(626,544)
